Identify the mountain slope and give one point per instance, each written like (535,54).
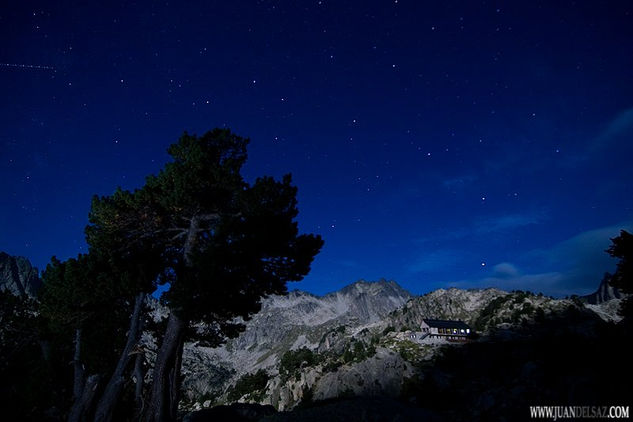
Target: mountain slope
(360,340)
(482,309)
(285,323)
(301,319)
(604,293)
(18,276)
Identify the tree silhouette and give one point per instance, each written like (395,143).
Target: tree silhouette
(75,295)
(223,244)
(27,389)
(622,279)
(112,279)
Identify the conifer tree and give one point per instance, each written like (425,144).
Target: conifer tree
(223,244)
(111,280)
(622,279)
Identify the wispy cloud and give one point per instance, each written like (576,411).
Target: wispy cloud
(547,282)
(573,266)
(505,270)
(507,276)
(508,222)
(582,247)
(620,125)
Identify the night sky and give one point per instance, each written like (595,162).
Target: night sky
(437,144)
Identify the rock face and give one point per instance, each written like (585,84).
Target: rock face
(289,322)
(362,340)
(301,319)
(18,276)
(482,309)
(604,293)
(451,304)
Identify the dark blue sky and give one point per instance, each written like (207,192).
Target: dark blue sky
(435,143)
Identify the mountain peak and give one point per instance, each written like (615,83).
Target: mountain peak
(605,293)
(381,286)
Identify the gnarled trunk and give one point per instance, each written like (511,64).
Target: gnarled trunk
(112,392)
(165,390)
(82,406)
(139,376)
(163,405)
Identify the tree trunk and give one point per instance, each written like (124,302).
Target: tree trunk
(175,382)
(139,376)
(81,406)
(45,348)
(78,378)
(165,390)
(112,392)
(163,405)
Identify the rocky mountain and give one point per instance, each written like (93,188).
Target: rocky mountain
(18,276)
(358,341)
(291,322)
(482,309)
(300,319)
(451,304)
(604,293)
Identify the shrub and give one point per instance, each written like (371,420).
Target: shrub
(332,366)
(528,308)
(388,330)
(487,315)
(307,397)
(249,384)
(520,296)
(358,352)
(409,351)
(293,360)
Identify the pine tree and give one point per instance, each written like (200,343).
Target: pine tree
(622,279)
(78,293)
(223,243)
(75,295)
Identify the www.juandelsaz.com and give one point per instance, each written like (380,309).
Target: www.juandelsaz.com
(589,412)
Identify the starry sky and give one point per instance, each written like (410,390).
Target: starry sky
(437,144)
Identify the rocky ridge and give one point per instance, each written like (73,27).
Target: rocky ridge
(295,321)
(605,293)
(356,341)
(18,276)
